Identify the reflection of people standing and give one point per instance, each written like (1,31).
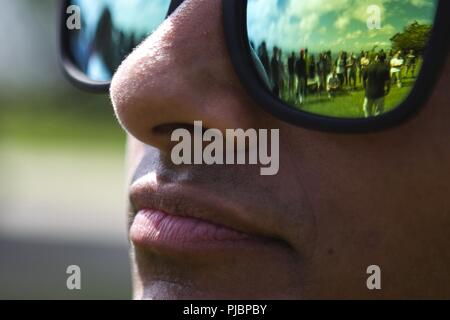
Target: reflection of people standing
(396,69)
(327,62)
(410,63)
(351,70)
(300,70)
(358,65)
(291,71)
(312,70)
(376,81)
(282,72)
(332,84)
(307,62)
(345,57)
(390,56)
(312,67)
(275,68)
(363,64)
(340,68)
(321,72)
(264,57)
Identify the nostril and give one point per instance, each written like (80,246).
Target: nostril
(162,136)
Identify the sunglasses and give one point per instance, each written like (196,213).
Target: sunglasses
(333,65)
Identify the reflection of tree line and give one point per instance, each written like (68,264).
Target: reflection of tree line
(294,77)
(111,44)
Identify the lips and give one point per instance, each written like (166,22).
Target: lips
(173,219)
(159,230)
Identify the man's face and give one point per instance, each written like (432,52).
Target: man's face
(338,204)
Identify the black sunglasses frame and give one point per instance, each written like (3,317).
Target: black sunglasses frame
(70,70)
(235,26)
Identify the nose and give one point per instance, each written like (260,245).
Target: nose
(180,74)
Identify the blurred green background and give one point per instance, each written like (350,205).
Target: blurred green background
(62,198)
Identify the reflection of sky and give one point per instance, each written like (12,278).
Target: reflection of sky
(331,24)
(140,17)
(97,70)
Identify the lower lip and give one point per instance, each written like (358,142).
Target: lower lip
(155,229)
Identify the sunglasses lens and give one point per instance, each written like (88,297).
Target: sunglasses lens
(107,32)
(340,59)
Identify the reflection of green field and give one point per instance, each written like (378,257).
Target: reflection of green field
(349,103)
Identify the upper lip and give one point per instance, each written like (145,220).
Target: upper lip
(185,201)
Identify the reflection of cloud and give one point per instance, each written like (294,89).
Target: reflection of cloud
(338,41)
(353,35)
(420,3)
(309,23)
(317,24)
(342,22)
(386,31)
(379,44)
(297,21)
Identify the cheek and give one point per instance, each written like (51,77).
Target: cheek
(366,180)
(337,173)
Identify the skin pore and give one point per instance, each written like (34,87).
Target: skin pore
(338,204)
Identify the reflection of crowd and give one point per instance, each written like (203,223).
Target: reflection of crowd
(305,74)
(402,64)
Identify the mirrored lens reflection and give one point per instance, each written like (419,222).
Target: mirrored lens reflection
(110,29)
(342,59)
